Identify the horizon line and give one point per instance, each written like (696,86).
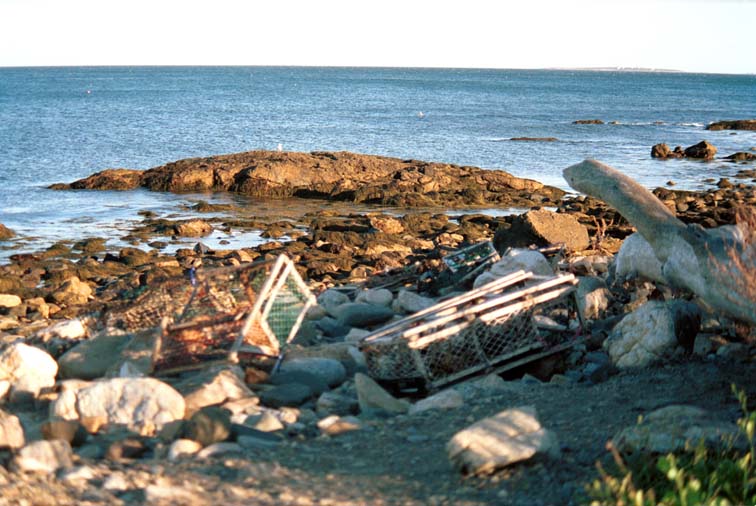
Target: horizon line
(407,67)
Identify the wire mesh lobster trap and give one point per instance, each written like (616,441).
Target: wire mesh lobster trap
(501,325)
(252,309)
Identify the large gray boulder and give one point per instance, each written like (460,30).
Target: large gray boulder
(511,436)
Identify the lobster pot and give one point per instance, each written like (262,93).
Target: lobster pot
(253,309)
(490,329)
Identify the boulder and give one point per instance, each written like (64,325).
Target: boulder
(703,150)
(515,260)
(636,258)
(376,296)
(511,436)
(192,228)
(409,302)
(652,332)
(331,371)
(44,456)
(373,399)
(543,228)
(91,359)
(72,292)
(27,370)
(331,299)
(11,432)
(675,428)
(6,233)
(445,399)
(357,314)
(208,387)
(660,151)
(740,124)
(209,425)
(593,297)
(141,404)
(9,301)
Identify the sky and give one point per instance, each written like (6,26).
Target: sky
(690,35)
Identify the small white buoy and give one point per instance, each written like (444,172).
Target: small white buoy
(421,114)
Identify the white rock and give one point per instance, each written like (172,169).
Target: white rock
(11,431)
(378,296)
(68,329)
(44,456)
(373,398)
(636,258)
(213,386)
(410,302)
(593,297)
(446,399)
(643,336)
(116,482)
(8,300)
(510,436)
(183,447)
(516,259)
(268,422)
(28,369)
(141,404)
(219,449)
(78,475)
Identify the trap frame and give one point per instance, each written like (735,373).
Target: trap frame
(251,309)
(492,328)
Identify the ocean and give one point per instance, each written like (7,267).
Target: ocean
(62,124)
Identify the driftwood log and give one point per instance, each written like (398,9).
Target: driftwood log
(716,264)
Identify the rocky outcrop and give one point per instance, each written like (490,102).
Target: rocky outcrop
(588,122)
(703,150)
(6,233)
(337,176)
(662,151)
(738,124)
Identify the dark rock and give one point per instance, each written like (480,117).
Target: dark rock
(129,448)
(542,228)
(357,314)
(588,122)
(660,151)
(740,124)
(535,139)
(316,384)
(703,150)
(741,156)
(289,394)
(209,425)
(332,327)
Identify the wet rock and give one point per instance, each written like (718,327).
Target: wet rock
(652,332)
(703,150)
(27,370)
(141,404)
(209,425)
(675,428)
(44,456)
(192,228)
(514,260)
(288,394)
(543,228)
(741,124)
(741,156)
(409,302)
(334,425)
(208,387)
(588,122)
(72,292)
(374,400)
(593,297)
(11,432)
(329,370)
(511,436)
(446,399)
(356,314)
(6,233)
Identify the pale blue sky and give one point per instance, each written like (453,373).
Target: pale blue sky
(689,35)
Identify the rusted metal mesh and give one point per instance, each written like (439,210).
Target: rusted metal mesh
(252,308)
(473,336)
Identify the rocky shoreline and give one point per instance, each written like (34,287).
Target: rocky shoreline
(81,406)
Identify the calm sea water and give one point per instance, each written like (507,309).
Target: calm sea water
(61,124)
